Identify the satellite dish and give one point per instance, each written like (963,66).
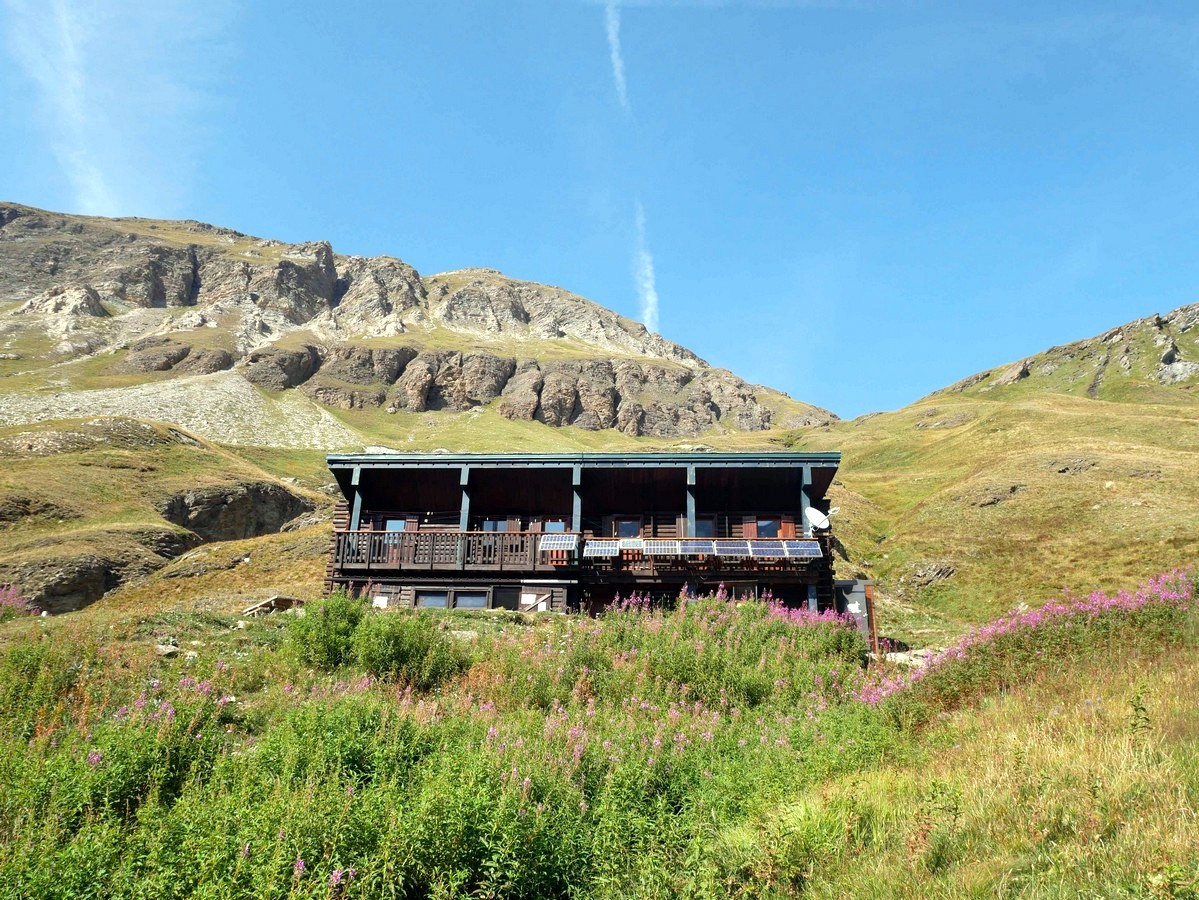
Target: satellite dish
(816,518)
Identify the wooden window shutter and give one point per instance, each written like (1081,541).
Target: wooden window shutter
(787,529)
(749,526)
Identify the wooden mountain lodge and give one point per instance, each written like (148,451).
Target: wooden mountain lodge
(570,532)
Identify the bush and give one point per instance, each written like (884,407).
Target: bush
(409,648)
(323,635)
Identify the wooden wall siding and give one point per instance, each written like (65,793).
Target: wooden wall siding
(341,522)
(528,494)
(668,524)
(674,525)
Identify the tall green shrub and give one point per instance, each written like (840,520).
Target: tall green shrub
(409,648)
(323,635)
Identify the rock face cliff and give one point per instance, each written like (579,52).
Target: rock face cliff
(175,300)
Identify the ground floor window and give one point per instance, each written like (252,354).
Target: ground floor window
(432,599)
(470,599)
(446,598)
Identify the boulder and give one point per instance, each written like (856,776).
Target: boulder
(65,302)
(152,354)
(277,369)
(234,512)
(205,362)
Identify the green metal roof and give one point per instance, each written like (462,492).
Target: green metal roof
(585,460)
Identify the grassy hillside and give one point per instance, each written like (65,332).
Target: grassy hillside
(82,502)
(960,507)
(964,506)
(712,750)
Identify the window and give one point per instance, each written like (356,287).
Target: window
(705,527)
(769,526)
(432,599)
(391,539)
(470,599)
(443,598)
(553,526)
(626,528)
(495,524)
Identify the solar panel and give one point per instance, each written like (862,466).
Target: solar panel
(558,542)
(732,548)
(696,548)
(661,548)
(767,549)
(601,547)
(632,543)
(802,549)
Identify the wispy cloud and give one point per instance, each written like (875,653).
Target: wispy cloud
(612,21)
(647,290)
(753,4)
(643,260)
(120,88)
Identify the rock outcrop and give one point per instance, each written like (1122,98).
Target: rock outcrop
(59,577)
(1136,360)
(235,512)
(354,332)
(278,369)
(639,399)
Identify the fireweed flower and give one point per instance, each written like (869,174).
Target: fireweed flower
(298,867)
(1170,589)
(341,876)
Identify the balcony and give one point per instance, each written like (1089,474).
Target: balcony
(448,551)
(392,552)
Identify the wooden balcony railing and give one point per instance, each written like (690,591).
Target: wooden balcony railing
(517,551)
(514,551)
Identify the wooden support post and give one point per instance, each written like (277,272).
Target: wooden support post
(805,500)
(356,511)
(576,484)
(690,502)
(464,517)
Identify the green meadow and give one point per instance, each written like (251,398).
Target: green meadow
(707,749)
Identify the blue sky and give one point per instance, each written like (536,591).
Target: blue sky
(856,203)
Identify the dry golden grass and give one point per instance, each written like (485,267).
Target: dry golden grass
(1084,785)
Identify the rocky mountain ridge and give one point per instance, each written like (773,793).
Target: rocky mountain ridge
(1152,358)
(166,300)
